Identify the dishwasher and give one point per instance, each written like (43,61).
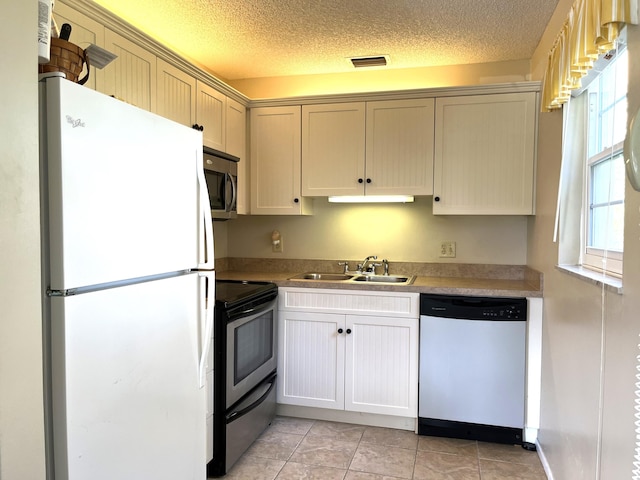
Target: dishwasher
(472,368)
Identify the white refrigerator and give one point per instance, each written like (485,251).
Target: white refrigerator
(128,265)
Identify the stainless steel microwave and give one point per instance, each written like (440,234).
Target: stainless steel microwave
(221,172)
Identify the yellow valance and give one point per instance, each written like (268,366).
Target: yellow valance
(592,28)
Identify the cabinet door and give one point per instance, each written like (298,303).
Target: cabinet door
(176,94)
(311,359)
(485,154)
(132,76)
(400,147)
(381,365)
(333,149)
(85,31)
(275,162)
(210,114)
(236,144)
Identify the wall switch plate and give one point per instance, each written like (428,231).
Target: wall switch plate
(448,250)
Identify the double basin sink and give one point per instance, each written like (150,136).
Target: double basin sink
(355,278)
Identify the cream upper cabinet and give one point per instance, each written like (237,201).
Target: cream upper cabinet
(372,148)
(485,154)
(84,31)
(132,76)
(176,94)
(236,144)
(333,143)
(210,116)
(399,147)
(275,162)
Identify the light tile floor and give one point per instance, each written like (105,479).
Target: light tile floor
(294,448)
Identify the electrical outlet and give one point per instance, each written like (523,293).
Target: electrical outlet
(276,246)
(448,249)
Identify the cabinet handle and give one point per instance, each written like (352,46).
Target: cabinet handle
(195,126)
(296,200)
(436,199)
(368,180)
(348,331)
(360,180)
(340,330)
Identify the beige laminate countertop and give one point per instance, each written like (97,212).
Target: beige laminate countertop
(423,284)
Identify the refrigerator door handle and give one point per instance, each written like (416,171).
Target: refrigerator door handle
(207,279)
(206,263)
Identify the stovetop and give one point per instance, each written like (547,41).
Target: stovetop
(232,292)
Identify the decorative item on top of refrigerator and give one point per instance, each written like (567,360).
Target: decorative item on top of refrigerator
(45,20)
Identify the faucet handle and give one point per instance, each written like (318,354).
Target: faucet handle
(385,262)
(346,266)
(372,267)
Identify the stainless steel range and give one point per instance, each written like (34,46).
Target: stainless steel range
(244,368)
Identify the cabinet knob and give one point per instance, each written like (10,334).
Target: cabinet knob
(436,199)
(296,200)
(348,331)
(368,180)
(195,126)
(340,330)
(360,180)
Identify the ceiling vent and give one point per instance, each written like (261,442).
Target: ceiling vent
(378,61)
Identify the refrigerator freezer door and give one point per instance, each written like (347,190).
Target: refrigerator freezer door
(127,402)
(123,189)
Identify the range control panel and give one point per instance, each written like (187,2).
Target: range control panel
(473,308)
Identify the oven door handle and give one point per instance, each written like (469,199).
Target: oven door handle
(236,414)
(264,306)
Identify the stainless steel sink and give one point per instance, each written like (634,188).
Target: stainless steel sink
(395,279)
(327,277)
(355,277)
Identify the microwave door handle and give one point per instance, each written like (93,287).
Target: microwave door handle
(234,193)
(206,260)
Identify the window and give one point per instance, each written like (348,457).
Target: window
(605,175)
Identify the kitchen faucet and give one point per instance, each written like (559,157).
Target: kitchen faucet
(367,266)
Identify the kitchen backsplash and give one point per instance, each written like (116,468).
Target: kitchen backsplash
(399,232)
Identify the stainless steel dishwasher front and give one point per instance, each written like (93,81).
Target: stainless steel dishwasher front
(472,367)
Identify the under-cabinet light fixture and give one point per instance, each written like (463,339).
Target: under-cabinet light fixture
(372,199)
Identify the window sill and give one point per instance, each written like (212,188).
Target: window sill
(612,284)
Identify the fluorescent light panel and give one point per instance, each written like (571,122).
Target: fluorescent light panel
(372,199)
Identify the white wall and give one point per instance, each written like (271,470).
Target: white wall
(399,232)
(21,410)
(590,336)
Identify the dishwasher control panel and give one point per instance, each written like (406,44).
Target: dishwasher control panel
(473,308)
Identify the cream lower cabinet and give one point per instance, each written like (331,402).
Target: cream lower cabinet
(485,154)
(275,162)
(364,362)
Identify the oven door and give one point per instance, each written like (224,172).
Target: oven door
(251,350)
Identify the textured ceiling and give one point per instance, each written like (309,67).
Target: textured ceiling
(240,39)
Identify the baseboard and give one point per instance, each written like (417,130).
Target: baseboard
(358,418)
(543,460)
